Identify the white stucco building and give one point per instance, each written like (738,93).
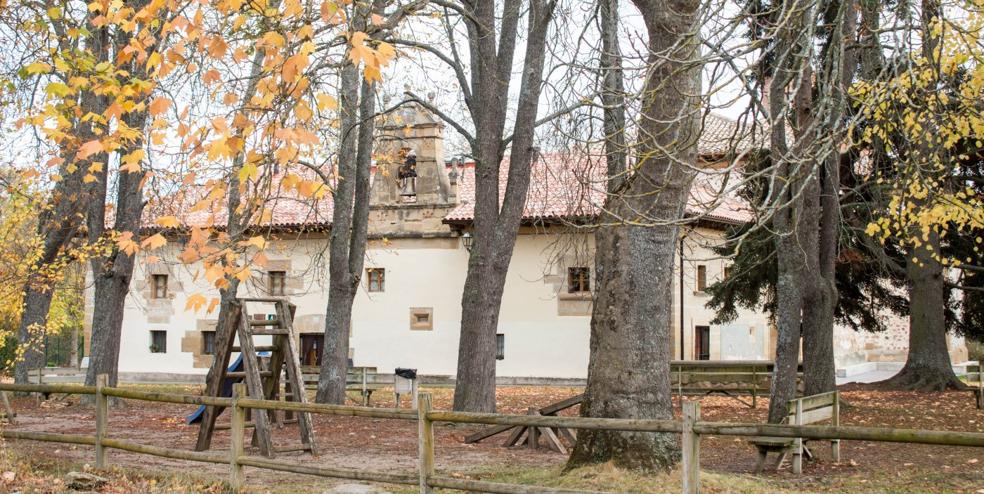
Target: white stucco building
(408,310)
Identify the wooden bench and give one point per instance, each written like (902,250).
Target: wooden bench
(978,371)
(361,379)
(729,378)
(802,411)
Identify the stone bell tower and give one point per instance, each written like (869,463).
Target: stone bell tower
(411,192)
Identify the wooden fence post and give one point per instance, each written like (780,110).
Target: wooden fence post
(980,384)
(798,442)
(425,431)
(102,417)
(9,410)
(236,441)
(691,448)
(755,385)
(835,444)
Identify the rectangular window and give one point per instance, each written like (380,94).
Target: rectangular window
(158,287)
(311,348)
(500,346)
(278,283)
(578,280)
(208,342)
(158,342)
(701,277)
(376,279)
(702,342)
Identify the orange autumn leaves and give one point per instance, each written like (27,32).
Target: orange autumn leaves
(257,69)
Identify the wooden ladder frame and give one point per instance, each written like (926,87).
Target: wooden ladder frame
(262,382)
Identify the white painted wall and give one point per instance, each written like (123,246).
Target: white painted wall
(430,273)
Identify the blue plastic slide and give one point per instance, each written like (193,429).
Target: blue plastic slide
(224,390)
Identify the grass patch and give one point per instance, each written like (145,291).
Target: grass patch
(608,478)
(34,474)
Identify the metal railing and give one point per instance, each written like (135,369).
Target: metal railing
(426,477)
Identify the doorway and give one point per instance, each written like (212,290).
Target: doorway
(702,342)
(311,348)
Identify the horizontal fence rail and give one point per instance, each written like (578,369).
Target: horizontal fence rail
(691,428)
(853,433)
(634,425)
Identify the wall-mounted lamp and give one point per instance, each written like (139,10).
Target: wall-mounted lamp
(467,240)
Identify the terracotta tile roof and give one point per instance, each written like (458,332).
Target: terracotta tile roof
(287,210)
(723,136)
(575,190)
(569,187)
(559,189)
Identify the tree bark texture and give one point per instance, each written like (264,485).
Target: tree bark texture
(839,65)
(347,243)
(495,225)
(58,226)
(113,272)
(613,95)
(631,320)
(804,307)
(927,366)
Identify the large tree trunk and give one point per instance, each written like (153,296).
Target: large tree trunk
(347,244)
(112,273)
(789,300)
(58,226)
(928,366)
(797,216)
(495,225)
(839,67)
(480,303)
(631,320)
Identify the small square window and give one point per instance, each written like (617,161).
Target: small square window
(158,287)
(278,283)
(578,280)
(500,346)
(421,318)
(701,277)
(158,341)
(376,279)
(208,342)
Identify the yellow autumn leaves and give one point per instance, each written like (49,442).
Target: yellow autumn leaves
(928,119)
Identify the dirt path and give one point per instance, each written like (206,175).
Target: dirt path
(391,445)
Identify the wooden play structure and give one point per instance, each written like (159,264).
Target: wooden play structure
(261,374)
(554,437)
(733,379)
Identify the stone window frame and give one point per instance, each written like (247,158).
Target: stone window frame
(277,283)
(578,280)
(376,280)
(154,333)
(418,324)
(158,286)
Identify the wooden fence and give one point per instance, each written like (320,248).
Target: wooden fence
(427,478)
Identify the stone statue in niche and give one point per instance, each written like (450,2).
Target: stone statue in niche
(407,173)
